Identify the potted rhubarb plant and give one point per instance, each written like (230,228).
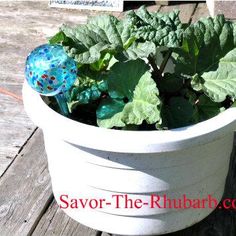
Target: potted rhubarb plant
(147,113)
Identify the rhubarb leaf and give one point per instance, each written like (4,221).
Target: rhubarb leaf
(131,80)
(88,43)
(161,28)
(124,76)
(204,44)
(86,89)
(220,83)
(141,50)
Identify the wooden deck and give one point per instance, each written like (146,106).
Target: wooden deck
(27,206)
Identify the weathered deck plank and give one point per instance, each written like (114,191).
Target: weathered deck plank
(23,26)
(25,189)
(56,222)
(15,128)
(201,11)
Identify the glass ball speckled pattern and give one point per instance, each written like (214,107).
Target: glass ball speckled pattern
(49,70)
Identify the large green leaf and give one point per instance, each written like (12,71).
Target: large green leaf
(222,82)
(131,80)
(161,28)
(137,50)
(124,76)
(87,43)
(204,43)
(144,105)
(141,50)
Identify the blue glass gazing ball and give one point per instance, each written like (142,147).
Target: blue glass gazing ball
(49,70)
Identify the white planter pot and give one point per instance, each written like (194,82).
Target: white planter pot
(86,161)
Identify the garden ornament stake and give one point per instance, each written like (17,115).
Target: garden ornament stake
(51,72)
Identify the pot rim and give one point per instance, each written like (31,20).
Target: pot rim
(154,141)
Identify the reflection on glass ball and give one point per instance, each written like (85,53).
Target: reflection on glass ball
(49,70)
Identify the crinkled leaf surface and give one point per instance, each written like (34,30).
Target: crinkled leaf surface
(204,44)
(160,28)
(83,96)
(87,43)
(87,88)
(141,50)
(132,80)
(222,82)
(137,50)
